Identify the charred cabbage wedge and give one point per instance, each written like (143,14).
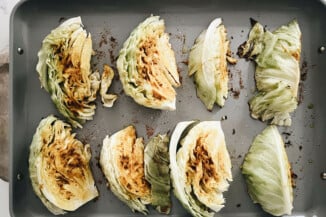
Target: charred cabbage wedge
(277,57)
(268,174)
(122,162)
(208,63)
(59,167)
(147,66)
(200,166)
(157,172)
(64,71)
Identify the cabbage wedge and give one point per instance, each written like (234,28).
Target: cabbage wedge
(277,57)
(122,162)
(64,71)
(208,63)
(157,172)
(200,166)
(59,167)
(147,66)
(268,174)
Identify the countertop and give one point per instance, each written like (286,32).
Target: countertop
(5,10)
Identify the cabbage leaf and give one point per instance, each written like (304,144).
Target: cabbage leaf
(277,57)
(268,173)
(208,64)
(157,172)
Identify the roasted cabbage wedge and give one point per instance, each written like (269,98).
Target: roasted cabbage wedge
(268,174)
(147,66)
(59,167)
(64,71)
(122,162)
(200,166)
(208,63)
(157,172)
(277,57)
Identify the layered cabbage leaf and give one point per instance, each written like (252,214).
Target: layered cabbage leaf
(200,166)
(147,66)
(208,63)
(59,167)
(122,162)
(268,173)
(157,172)
(64,71)
(277,57)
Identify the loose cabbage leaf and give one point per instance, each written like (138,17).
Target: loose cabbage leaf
(59,167)
(64,71)
(122,162)
(200,166)
(208,64)
(268,174)
(157,172)
(106,80)
(277,55)
(147,66)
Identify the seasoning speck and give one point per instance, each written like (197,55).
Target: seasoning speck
(149,131)
(238,205)
(310,106)
(233,131)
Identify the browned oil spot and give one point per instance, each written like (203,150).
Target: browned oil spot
(149,131)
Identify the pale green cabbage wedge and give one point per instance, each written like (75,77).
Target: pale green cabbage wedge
(200,166)
(64,71)
(277,55)
(59,167)
(208,64)
(122,162)
(147,66)
(157,172)
(268,174)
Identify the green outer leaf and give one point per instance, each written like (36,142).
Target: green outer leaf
(204,57)
(267,173)
(157,172)
(277,56)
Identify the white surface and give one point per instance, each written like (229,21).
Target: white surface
(5,10)
(4,199)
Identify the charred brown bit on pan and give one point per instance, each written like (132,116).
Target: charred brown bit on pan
(149,131)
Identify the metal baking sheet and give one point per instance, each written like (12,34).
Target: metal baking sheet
(110,23)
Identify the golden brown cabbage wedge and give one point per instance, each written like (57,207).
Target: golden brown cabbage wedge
(59,167)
